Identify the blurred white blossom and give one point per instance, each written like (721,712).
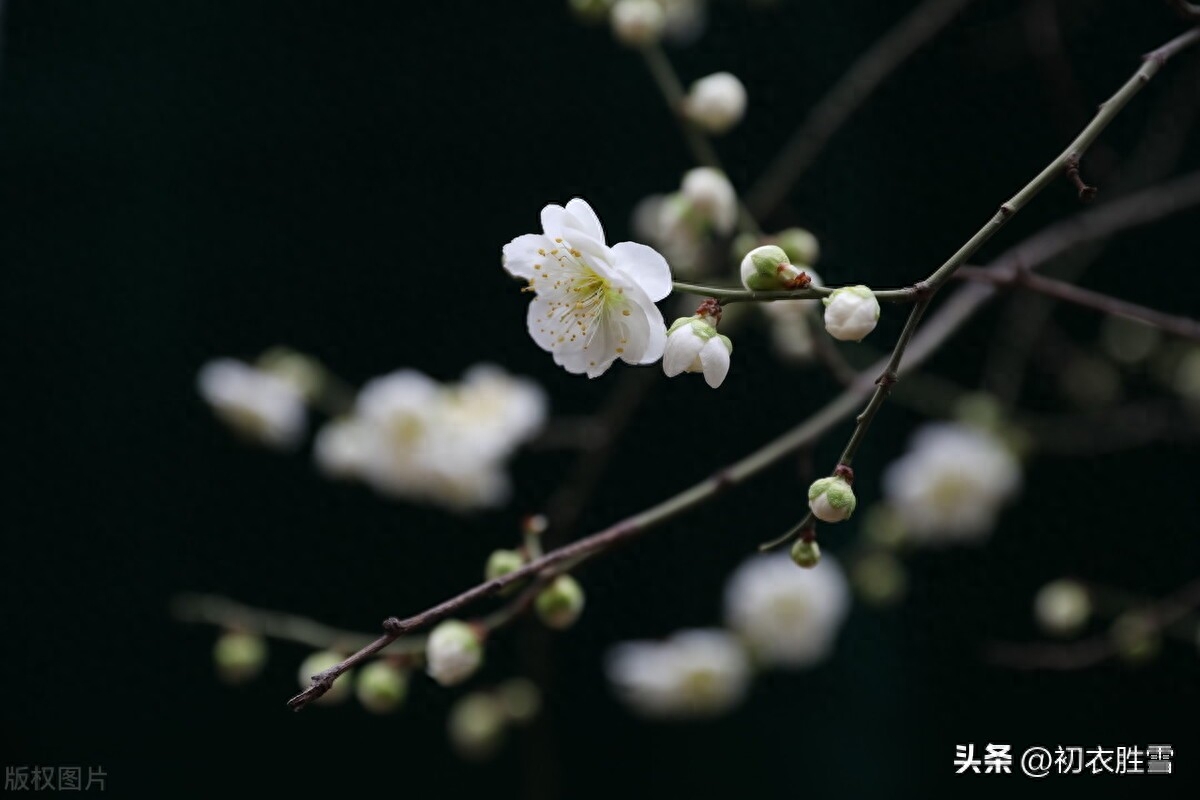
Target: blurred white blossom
(413,438)
(788,617)
(638,22)
(791,334)
(711,197)
(256,403)
(694,673)
(951,483)
(594,303)
(716,102)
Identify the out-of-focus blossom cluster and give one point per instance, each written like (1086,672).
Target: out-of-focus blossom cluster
(778,616)
(414,438)
(951,484)
(406,435)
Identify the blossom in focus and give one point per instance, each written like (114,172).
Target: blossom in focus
(413,438)
(694,673)
(693,345)
(851,312)
(716,102)
(593,303)
(831,499)
(951,483)
(788,617)
(258,404)
(767,268)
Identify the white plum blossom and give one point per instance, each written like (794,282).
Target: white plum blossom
(413,438)
(788,617)
(951,483)
(693,345)
(716,102)
(694,673)
(254,402)
(593,303)
(712,197)
(638,22)
(454,652)
(851,312)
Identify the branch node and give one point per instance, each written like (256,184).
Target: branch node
(844,472)
(1086,193)
(921,290)
(887,379)
(394,626)
(1006,210)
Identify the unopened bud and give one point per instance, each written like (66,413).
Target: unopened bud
(476,726)
(806,553)
(851,312)
(381,687)
(454,652)
(239,656)
(767,268)
(1135,636)
(502,562)
(1062,607)
(800,245)
(716,103)
(637,22)
(831,499)
(560,603)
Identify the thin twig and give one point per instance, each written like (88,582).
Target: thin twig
(1097,649)
(734,295)
(701,148)
(832,110)
(1070,293)
(1185,10)
(919,345)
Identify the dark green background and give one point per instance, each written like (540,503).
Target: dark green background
(183,180)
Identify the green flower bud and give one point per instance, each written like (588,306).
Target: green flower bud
(476,726)
(767,268)
(502,562)
(1135,636)
(520,698)
(560,603)
(319,662)
(879,578)
(239,657)
(831,499)
(800,245)
(381,687)
(806,554)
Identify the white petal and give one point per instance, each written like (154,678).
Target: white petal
(683,347)
(549,329)
(644,313)
(522,253)
(715,359)
(645,266)
(554,221)
(584,219)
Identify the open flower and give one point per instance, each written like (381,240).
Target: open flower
(951,483)
(789,617)
(594,303)
(695,673)
(256,403)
